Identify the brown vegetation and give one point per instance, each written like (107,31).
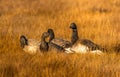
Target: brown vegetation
(97,20)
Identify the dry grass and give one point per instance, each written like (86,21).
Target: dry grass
(97,20)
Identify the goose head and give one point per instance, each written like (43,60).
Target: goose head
(44,45)
(45,35)
(73,26)
(23,41)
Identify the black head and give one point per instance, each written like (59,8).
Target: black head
(23,41)
(73,26)
(22,36)
(50,31)
(45,34)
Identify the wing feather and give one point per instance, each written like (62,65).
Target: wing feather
(61,42)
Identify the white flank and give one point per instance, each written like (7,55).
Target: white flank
(81,49)
(77,49)
(32,47)
(68,50)
(97,52)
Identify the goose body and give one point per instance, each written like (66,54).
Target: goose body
(29,45)
(57,43)
(61,42)
(81,48)
(82,45)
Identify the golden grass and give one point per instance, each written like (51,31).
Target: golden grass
(97,20)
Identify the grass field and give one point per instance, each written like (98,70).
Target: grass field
(97,20)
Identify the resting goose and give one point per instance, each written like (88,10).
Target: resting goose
(81,45)
(29,45)
(57,43)
(44,45)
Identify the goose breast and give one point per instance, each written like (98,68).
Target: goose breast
(32,47)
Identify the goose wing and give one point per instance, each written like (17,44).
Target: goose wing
(55,47)
(91,45)
(62,43)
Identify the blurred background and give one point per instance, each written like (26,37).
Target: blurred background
(97,20)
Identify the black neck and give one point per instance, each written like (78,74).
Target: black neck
(44,45)
(52,36)
(74,37)
(43,40)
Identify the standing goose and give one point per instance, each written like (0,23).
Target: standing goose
(29,45)
(82,45)
(57,43)
(44,45)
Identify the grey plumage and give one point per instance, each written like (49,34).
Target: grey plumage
(57,43)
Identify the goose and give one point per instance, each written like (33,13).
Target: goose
(81,45)
(44,45)
(57,43)
(29,45)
